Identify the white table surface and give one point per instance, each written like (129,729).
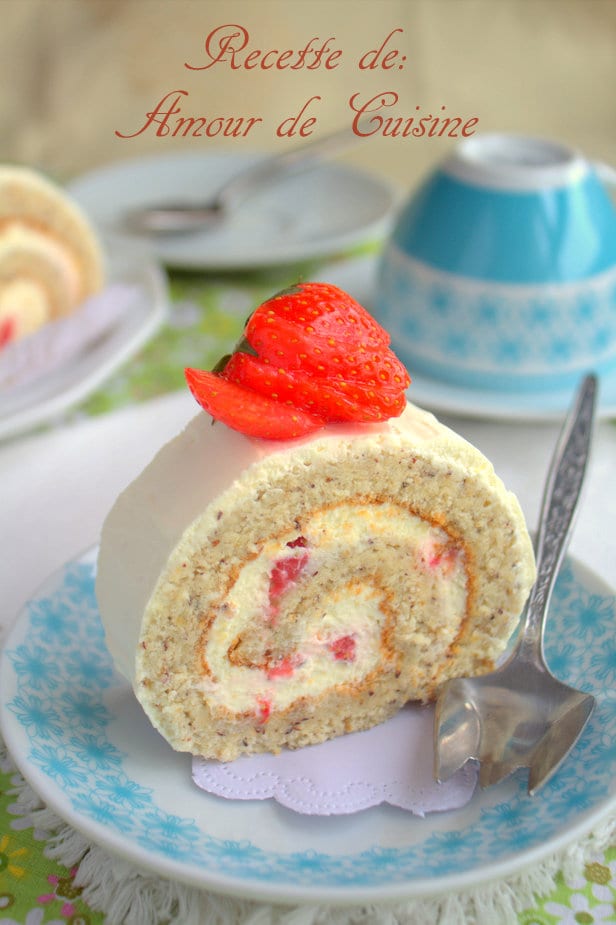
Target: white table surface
(56,487)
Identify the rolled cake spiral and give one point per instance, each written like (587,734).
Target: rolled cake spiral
(262,595)
(50,259)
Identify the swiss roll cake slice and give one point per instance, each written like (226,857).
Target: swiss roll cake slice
(261,595)
(319,555)
(50,258)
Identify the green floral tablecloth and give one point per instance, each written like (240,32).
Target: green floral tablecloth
(206,318)
(33,889)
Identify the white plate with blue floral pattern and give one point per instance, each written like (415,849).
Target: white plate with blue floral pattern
(77,733)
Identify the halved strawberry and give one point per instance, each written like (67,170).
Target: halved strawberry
(285,344)
(309,356)
(326,311)
(249,412)
(332,399)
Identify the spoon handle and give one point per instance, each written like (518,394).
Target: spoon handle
(560,502)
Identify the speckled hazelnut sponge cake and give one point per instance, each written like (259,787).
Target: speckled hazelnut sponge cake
(320,554)
(50,259)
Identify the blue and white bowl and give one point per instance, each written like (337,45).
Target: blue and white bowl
(500,272)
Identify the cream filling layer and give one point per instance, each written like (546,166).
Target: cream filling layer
(19,237)
(26,303)
(337,638)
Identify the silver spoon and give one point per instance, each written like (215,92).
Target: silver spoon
(185,216)
(520,715)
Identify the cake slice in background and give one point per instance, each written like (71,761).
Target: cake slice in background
(50,257)
(307,580)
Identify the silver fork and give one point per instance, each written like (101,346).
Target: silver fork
(520,715)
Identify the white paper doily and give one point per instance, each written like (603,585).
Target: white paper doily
(391,763)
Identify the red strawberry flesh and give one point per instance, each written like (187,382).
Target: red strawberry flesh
(284,574)
(310,356)
(332,399)
(343,648)
(249,412)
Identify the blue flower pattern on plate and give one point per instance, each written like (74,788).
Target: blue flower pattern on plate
(64,672)
(39,717)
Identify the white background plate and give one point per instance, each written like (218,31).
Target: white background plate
(542,405)
(323,211)
(53,393)
(79,737)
